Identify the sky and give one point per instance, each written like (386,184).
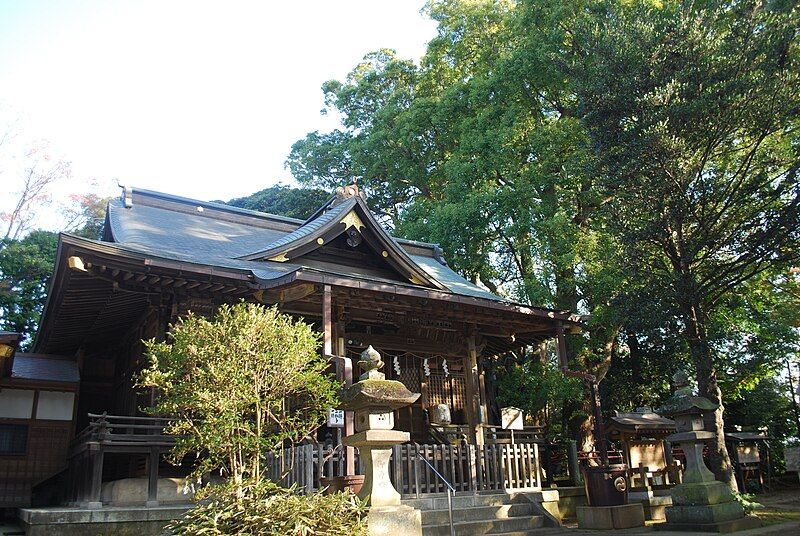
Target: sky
(195,98)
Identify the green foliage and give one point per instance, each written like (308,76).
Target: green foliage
(539,389)
(283,200)
(238,386)
(637,161)
(748,502)
(26,266)
(265,509)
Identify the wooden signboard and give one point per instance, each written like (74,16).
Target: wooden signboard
(648,453)
(512,418)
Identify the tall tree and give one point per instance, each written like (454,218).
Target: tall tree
(25,269)
(692,108)
(479,149)
(284,201)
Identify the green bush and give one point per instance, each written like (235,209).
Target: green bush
(266,509)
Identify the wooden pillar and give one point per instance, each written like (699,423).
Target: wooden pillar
(473,391)
(152,478)
(327,321)
(94,500)
(484,413)
(346,365)
(563,359)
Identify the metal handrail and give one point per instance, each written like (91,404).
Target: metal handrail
(450,489)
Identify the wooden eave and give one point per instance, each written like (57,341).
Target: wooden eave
(569,320)
(115,287)
(117,284)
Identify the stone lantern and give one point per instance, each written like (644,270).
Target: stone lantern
(700,502)
(373,399)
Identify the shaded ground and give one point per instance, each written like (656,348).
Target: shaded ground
(780,515)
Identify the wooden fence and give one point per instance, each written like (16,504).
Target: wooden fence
(469,468)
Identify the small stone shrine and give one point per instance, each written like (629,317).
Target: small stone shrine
(373,399)
(700,503)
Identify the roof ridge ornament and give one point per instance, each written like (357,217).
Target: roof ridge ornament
(127,195)
(343,193)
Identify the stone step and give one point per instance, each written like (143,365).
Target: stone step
(511,525)
(439,502)
(477,513)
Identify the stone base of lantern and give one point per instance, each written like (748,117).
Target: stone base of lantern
(394,521)
(699,493)
(706,507)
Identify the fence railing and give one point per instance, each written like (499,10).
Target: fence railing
(468,468)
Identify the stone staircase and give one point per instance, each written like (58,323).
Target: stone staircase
(496,513)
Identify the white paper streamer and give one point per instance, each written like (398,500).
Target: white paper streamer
(444,367)
(426,368)
(397,365)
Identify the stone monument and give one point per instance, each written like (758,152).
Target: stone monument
(700,503)
(373,399)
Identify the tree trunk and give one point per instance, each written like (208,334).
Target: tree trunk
(719,460)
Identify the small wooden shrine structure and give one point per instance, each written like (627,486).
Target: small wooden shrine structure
(641,437)
(750,458)
(162,256)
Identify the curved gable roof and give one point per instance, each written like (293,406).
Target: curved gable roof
(351,215)
(212,234)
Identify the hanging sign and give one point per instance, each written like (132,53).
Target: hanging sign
(335,418)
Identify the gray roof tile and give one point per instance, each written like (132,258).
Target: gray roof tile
(203,239)
(32,367)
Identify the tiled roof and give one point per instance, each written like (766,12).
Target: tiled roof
(643,421)
(33,367)
(215,235)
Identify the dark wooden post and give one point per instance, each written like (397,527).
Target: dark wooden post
(346,365)
(472,391)
(344,370)
(152,478)
(563,360)
(94,500)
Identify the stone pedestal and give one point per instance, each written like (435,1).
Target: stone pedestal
(375,447)
(372,399)
(394,521)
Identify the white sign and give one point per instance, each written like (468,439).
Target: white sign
(792,455)
(335,418)
(512,418)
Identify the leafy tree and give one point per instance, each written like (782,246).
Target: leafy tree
(238,386)
(692,109)
(634,160)
(26,266)
(540,389)
(479,149)
(86,216)
(284,201)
